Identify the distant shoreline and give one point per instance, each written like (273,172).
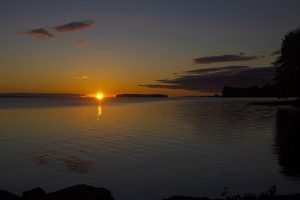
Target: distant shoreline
(141,95)
(30,95)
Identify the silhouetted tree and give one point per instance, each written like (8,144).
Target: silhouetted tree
(288,65)
(252,91)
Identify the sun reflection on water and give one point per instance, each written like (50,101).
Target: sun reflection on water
(99,111)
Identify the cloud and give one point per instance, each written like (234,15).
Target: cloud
(214,79)
(223,58)
(207,71)
(39,33)
(80,77)
(42,33)
(81,43)
(75,26)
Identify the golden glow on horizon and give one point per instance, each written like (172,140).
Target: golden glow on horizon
(99,96)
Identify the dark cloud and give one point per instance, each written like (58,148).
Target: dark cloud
(223,58)
(75,26)
(214,79)
(207,71)
(42,33)
(39,33)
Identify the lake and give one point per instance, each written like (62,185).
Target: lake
(141,148)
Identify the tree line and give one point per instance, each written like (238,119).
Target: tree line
(286,77)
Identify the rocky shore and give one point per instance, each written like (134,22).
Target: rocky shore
(86,192)
(77,192)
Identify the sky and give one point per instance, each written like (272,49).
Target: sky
(174,47)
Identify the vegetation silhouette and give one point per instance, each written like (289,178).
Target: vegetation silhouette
(287,65)
(286,77)
(252,91)
(270,194)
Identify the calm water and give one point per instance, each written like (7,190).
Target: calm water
(149,149)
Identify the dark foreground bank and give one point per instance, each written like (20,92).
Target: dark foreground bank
(77,192)
(85,192)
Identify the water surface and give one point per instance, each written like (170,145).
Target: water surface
(149,148)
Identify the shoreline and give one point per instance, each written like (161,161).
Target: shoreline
(86,192)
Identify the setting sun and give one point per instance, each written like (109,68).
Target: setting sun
(99,96)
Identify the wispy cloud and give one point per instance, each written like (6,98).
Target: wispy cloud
(75,26)
(214,79)
(207,71)
(80,77)
(39,33)
(223,58)
(81,43)
(43,33)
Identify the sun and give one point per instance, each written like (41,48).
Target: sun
(99,96)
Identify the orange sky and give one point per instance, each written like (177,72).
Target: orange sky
(114,48)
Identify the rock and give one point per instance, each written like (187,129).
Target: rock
(80,192)
(77,192)
(34,194)
(5,195)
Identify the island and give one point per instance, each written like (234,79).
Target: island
(141,95)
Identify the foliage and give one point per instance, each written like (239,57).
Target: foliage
(252,91)
(269,195)
(288,65)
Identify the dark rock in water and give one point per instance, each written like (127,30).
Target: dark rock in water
(81,192)
(187,198)
(5,195)
(34,194)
